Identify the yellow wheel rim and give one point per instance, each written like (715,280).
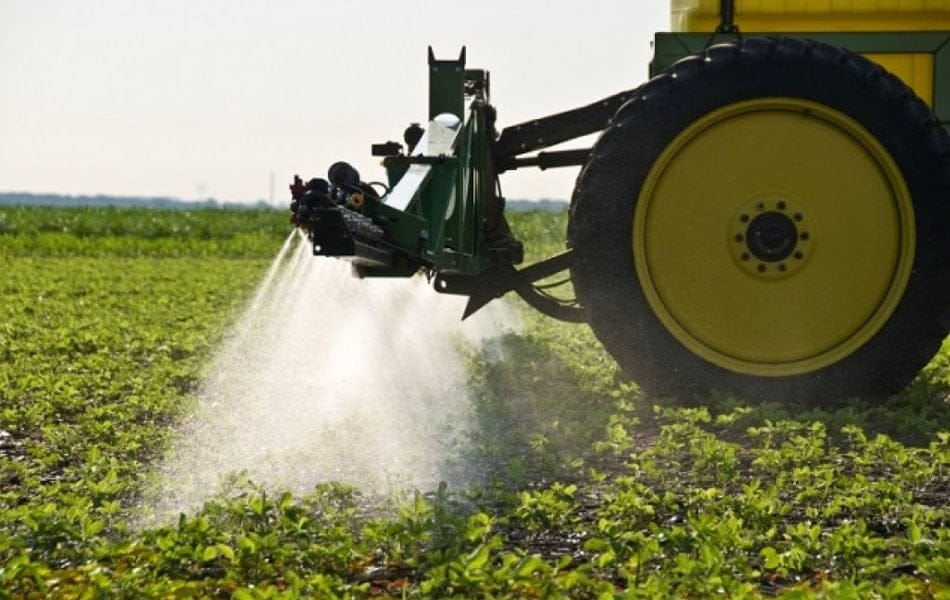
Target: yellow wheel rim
(774,237)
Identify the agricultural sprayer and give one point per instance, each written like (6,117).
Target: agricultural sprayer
(769,214)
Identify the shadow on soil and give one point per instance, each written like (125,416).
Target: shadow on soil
(541,417)
(534,421)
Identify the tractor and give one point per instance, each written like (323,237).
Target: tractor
(768,215)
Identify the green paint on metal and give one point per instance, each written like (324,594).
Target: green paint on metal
(435,210)
(941,105)
(446,85)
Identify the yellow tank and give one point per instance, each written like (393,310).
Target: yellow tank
(764,16)
(816,15)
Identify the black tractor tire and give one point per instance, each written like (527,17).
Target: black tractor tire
(618,177)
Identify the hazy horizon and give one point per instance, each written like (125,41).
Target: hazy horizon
(58,201)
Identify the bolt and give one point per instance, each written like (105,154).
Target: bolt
(745,256)
(762,268)
(760,206)
(780,205)
(782,267)
(744,218)
(739,237)
(799,255)
(804,235)
(798,216)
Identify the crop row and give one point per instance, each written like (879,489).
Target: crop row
(139,232)
(586,488)
(141,223)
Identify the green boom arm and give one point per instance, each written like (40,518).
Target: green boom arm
(439,212)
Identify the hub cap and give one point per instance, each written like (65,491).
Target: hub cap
(771,237)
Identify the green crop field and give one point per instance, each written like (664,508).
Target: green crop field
(589,489)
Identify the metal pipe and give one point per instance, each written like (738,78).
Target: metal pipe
(547,160)
(727,17)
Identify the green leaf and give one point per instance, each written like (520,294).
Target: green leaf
(225,551)
(529,565)
(210,553)
(247,544)
(478,558)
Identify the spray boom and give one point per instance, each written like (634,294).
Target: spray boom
(440,210)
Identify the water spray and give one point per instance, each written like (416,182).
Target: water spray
(328,378)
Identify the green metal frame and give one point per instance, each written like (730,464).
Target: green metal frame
(435,208)
(671,47)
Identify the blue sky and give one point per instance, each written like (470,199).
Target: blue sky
(208,98)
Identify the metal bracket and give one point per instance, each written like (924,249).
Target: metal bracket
(549,131)
(498,281)
(546,160)
(416,159)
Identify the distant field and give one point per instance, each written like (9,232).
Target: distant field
(44,231)
(590,488)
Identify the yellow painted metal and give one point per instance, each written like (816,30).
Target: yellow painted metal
(815,15)
(860,226)
(915,69)
(763,16)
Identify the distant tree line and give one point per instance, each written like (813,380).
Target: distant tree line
(162,202)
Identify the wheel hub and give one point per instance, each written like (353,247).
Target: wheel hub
(771,237)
